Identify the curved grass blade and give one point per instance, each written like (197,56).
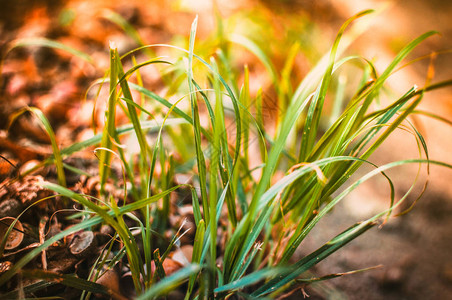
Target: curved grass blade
(294,110)
(45,124)
(250,279)
(344,174)
(384,76)
(43,42)
(152,126)
(28,289)
(335,275)
(265,207)
(315,109)
(223,82)
(260,54)
(312,259)
(296,240)
(126,26)
(433,116)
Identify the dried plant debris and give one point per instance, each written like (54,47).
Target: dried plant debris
(28,190)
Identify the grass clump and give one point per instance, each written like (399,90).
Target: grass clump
(247,220)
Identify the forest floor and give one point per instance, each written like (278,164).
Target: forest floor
(414,249)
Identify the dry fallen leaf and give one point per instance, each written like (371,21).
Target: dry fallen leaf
(28,190)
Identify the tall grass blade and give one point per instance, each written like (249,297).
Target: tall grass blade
(198,245)
(132,115)
(196,124)
(312,259)
(45,124)
(68,280)
(109,132)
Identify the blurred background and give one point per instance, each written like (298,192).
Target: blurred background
(414,249)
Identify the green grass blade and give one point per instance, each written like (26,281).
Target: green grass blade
(126,26)
(56,151)
(215,151)
(167,104)
(169,283)
(133,116)
(433,116)
(313,116)
(244,99)
(109,131)
(196,125)
(265,207)
(220,149)
(386,116)
(384,76)
(43,42)
(250,279)
(297,105)
(198,245)
(209,216)
(247,262)
(196,209)
(159,271)
(260,54)
(28,289)
(312,259)
(151,126)
(68,280)
(118,225)
(223,82)
(45,124)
